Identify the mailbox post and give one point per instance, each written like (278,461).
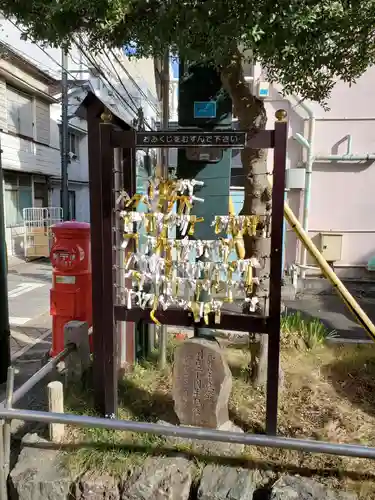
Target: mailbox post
(71,293)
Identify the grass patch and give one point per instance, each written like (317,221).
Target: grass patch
(299,331)
(328,394)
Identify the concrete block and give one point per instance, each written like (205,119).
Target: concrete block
(78,362)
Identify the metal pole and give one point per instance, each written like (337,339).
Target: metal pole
(4,311)
(306,445)
(3,482)
(38,376)
(163,334)
(7,423)
(64,136)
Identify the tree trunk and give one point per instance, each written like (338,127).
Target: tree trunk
(252,117)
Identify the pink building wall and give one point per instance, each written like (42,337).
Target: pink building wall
(343,192)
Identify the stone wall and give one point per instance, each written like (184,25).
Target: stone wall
(38,475)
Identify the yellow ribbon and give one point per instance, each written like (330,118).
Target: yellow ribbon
(232,266)
(153,311)
(133,236)
(198,288)
(193,220)
(251,224)
(207,310)
(150,223)
(235,228)
(184,202)
(171,202)
(249,278)
(195,309)
(126,219)
(217,225)
(168,260)
(150,191)
(217,316)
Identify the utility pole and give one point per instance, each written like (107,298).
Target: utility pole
(4,311)
(163,334)
(64,135)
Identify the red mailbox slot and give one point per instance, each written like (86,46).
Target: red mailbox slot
(71,289)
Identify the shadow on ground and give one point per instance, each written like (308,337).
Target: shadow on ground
(358,364)
(144,405)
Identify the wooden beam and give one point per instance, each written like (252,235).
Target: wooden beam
(273,365)
(178,317)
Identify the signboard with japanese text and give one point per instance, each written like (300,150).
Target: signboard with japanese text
(187,138)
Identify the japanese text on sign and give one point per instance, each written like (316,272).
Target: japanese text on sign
(231,139)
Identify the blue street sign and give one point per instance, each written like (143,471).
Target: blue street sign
(205,109)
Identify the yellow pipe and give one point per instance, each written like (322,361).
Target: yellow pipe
(327,271)
(239,243)
(348,299)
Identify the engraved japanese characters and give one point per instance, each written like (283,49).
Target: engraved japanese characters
(202,383)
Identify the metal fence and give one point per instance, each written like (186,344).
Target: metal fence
(8,413)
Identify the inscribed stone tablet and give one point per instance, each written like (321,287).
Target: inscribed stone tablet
(202,382)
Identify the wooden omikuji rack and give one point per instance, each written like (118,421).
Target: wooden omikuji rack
(104,138)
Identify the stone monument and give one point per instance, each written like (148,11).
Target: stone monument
(202,383)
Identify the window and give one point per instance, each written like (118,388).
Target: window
(72,204)
(74,139)
(17,196)
(19,112)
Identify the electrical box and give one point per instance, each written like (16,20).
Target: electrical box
(331,246)
(295,178)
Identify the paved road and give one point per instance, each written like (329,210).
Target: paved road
(28,291)
(335,315)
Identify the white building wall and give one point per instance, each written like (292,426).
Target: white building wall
(126,86)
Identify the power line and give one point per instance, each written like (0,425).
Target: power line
(136,106)
(78,84)
(134,110)
(134,82)
(81,46)
(100,72)
(121,82)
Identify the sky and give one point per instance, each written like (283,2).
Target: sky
(131,49)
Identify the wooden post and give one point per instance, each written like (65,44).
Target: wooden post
(273,364)
(56,405)
(95,178)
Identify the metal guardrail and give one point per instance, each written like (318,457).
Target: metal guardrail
(348,450)
(8,413)
(7,405)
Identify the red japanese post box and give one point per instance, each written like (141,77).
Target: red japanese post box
(72,279)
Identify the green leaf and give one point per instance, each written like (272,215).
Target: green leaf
(305,45)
